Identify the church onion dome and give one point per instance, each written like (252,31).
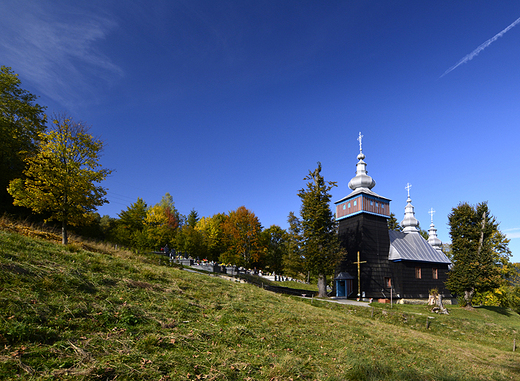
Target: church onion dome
(409,223)
(433,240)
(361,180)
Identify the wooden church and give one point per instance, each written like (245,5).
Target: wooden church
(382,263)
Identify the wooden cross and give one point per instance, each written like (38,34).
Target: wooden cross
(359,140)
(431,213)
(358,263)
(407,187)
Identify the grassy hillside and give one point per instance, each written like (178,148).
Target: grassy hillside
(67,313)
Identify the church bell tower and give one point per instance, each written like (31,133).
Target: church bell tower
(363,228)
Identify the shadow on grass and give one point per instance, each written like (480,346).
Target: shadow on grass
(498,310)
(376,370)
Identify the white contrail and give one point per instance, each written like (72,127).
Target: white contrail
(481,48)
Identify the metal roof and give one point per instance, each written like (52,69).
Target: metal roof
(344,276)
(413,247)
(360,191)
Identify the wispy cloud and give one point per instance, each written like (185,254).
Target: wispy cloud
(483,46)
(54,47)
(512,233)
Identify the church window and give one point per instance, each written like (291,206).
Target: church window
(388,282)
(355,203)
(344,206)
(348,206)
(371,202)
(417,273)
(435,274)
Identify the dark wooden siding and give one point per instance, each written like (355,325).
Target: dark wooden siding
(368,234)
(419,288)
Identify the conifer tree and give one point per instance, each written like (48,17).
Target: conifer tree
(320,244)
(293,260)
(130,225)
(275,247)
(393,224)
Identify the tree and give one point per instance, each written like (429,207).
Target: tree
(21,122)
(191,241)
(192,218)
(424,234)
(276,244)
(393,224)
(477,251)
(130,225)
(61,178)
(213,235)
(293,259)
(320,242)
(161,223)
(242,235)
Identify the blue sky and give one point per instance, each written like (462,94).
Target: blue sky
(230,103)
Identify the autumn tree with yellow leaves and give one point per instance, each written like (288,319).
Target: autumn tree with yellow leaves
(242,234)
(62,177)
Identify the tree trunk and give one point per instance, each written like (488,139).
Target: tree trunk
(64,237)
(322,286)
(468,297)
(481,240)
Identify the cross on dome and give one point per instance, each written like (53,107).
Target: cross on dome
(359,140)
(407,187)
(362,179)
(409,223)
(431,212)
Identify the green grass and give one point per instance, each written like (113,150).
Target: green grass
(68,314)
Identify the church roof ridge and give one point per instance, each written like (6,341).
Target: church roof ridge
(413,247)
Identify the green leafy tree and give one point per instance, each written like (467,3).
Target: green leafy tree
(61,178)
(107,224)
(191,241)
(21,122)
(128,230)
(514,278)
(424,234)
(506,295)
(320,244)
(275,239)
(293,259)
(446,249)
(91,227)
(476,254)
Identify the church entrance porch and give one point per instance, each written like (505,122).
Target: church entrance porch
(344,285)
